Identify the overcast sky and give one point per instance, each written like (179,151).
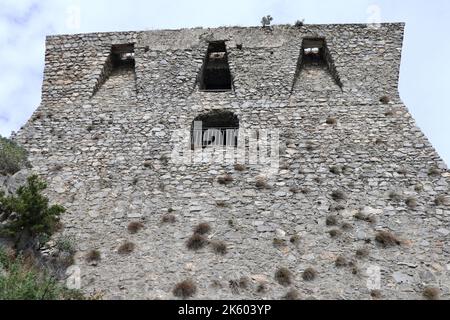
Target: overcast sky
(425,69)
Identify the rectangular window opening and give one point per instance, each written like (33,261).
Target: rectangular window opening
(313,51)
(216,74)
(122,55)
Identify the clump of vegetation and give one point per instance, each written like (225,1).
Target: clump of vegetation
(261,287)
(239,167)
(295,239)
(335,233)
(34,218)
(385,99)
(431,293)
(434,171)
(394,195)
(147,164)
(196,242)
(222,204)
(225,179)
(376,294)
(168,218)
(65,244)
(338,195)
(361,216)
(441,200)
(202,228)
(184,289)
(299,23)
(21,281)
(362,253)
(261,182)
(331,221)
(283,276)
(219,247)
(277,242)
(93,255)
(386,239)
(411,202)
(346,226)
(340,262)
(331,120)
(309,274)
(335,170)
(265,21)
(126,247)
(291,295)
(134,227)
(12,157)
(241,283)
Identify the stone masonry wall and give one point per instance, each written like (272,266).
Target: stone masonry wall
(107,158)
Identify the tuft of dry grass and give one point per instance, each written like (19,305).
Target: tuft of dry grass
(239,167)
(202,228)
(331,221)
(134,227)
(361,216)
(431,293)
(411,202)
(394,196)
(338,195)
(441,200)
(434,171)
(376,294)
(277,242)
(241,283)
(196,242)
(222,204)
(168,218)
(225,179)
(126,247)
(331,120)
(335,233)
(362,253)
(346,226)
(340,262)
(385,99)
(295,239)
(262,287)
(219,247)
(244,282)
(283,276)
(185,289)
(93,256)
(291,295)
(309,274)
(386,239)
(261,182)
(335,170)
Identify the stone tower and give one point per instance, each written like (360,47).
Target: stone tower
(346,162)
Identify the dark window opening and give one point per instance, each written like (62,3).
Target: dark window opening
(122,55)
(313,51)
(217,128)
(216,74)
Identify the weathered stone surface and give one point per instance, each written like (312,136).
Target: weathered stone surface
(111,134)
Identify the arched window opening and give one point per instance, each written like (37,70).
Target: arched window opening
(216,128)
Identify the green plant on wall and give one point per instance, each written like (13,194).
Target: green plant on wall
(33,217)
(12,157)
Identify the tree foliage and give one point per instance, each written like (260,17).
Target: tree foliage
(12,157)
(30,214)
